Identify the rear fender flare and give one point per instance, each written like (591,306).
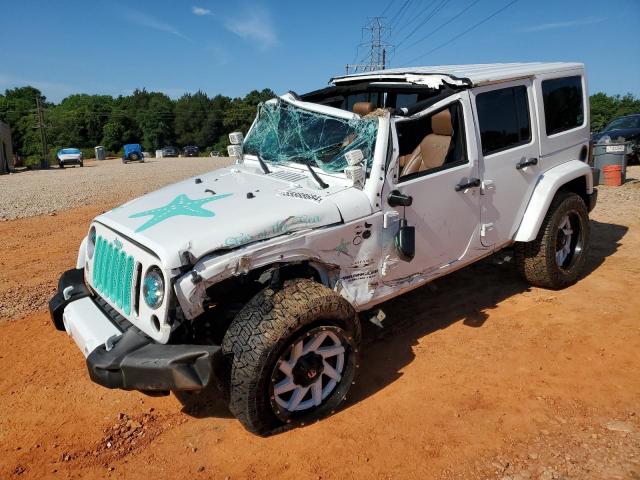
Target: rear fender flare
(548,185)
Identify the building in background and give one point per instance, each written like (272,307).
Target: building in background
(6,152)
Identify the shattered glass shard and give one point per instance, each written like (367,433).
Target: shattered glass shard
(286,133)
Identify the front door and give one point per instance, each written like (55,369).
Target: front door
(445,215)
(509,166)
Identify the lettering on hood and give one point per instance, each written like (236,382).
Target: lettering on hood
(181,205)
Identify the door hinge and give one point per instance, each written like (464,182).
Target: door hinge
(485,228)
(487,185)
(390,218)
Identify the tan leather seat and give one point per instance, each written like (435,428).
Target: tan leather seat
(362,108)
(433,149)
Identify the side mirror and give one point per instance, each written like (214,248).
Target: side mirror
(406,241)
(397,199)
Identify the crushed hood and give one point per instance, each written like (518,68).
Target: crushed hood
(224,209)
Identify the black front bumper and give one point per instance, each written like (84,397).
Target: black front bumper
(73,282)
(137,363)
(133,361)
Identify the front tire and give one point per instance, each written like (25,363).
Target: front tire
(134,156)
(556,258)
(293,355)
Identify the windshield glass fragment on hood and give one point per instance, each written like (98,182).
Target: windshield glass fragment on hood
(286,133)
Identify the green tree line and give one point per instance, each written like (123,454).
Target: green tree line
(155,120)
(149,118)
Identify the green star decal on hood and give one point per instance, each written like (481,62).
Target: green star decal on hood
(181,205)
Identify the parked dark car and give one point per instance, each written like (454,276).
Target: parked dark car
(132,153)
(170,152)
(622,129)
(190,151)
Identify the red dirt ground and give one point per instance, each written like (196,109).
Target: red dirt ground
(477,377)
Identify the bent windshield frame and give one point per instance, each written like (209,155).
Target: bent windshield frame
(286,133)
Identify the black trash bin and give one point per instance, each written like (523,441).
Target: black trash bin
(610,154)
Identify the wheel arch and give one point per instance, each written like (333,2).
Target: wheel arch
(574,176)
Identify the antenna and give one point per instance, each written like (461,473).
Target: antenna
(378,49)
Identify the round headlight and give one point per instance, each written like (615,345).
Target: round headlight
(153,288)
(91,242)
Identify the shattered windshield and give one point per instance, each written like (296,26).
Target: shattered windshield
(286,133)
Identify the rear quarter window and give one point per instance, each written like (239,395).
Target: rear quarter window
(563,107)
(503,117)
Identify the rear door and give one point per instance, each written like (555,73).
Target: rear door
(509,164)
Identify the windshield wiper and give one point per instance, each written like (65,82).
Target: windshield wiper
(263,165)
(316,177)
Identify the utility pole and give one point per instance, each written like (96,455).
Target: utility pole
(377,47)
(44,162)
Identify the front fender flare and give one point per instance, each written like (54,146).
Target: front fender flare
(548,185)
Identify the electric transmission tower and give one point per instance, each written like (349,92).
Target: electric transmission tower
(377,47)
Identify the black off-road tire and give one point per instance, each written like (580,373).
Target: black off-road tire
(134,157)
(263,330)
(536,260)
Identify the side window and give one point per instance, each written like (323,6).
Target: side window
(371,97)
(504,120)
(432,143)
(563,108)
(406,99)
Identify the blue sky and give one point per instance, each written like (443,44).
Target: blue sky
(177,46)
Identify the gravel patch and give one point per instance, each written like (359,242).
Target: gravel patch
(570,448)
(621,202)
(39,192)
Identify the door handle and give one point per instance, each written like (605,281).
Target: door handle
(526,163)
(472,183)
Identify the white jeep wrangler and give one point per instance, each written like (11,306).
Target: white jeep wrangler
(252,276)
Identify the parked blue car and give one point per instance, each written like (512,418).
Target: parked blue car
(132,153)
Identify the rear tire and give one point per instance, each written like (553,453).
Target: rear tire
(273,356)
(556,258)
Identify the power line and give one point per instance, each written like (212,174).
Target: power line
(445,23)
(401,16)
(401,10)
(387,7)
(417,17)
(429,16)
(456,37)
